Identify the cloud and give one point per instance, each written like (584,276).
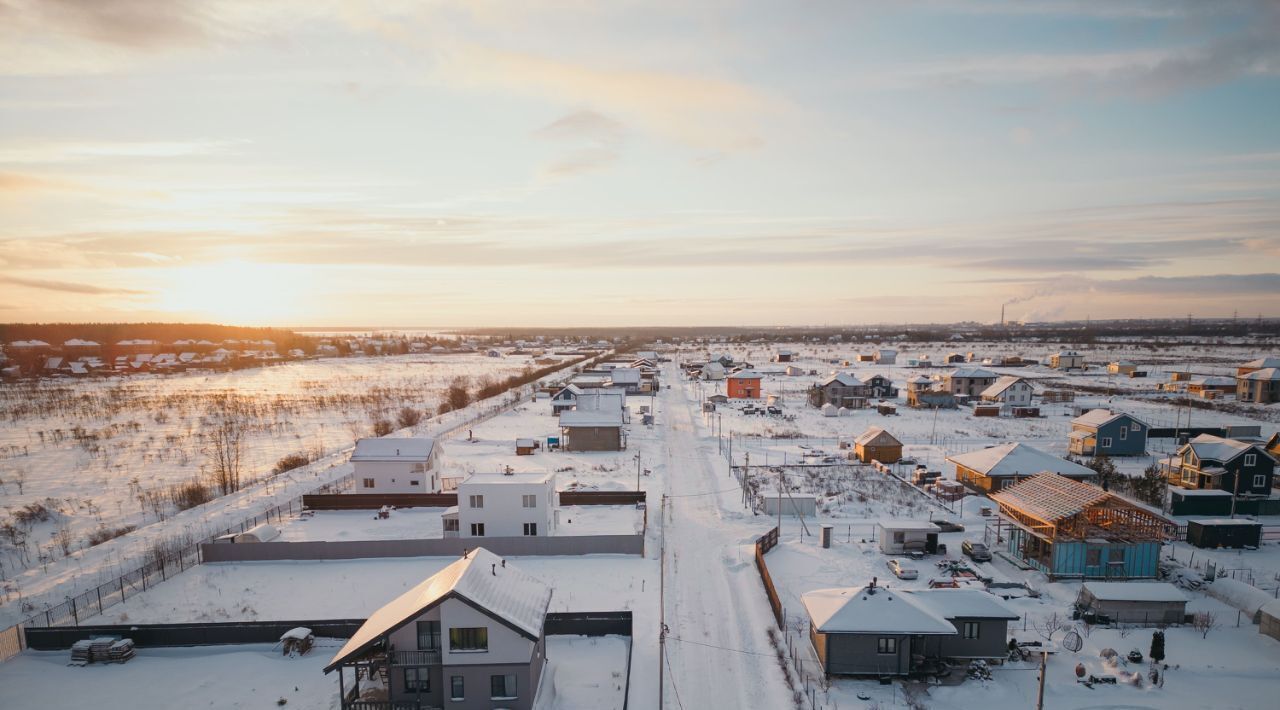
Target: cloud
(31,152)
(598,138)
(17,182)
(68,287)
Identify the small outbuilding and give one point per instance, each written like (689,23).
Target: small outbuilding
(1269,619)
(1149,603)
(525,447)
(804,506)
(876,444)
(1235,533)
(903,536)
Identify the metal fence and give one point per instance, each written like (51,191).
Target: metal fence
(424,547)
(224,633)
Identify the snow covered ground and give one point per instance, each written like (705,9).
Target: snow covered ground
(584,673)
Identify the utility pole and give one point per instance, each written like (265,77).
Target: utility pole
(779,500)
(1044,658)
(637,472)
(662,601)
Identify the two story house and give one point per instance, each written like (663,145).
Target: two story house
(969,381)
(744,384)
(1101,431)
(387,465)
(469,637)
(1010,390)
(1259,386)
(503,505)
(1210,462)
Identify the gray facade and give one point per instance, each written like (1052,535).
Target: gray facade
(592,438)
(433,547)
(1122,436)
(860,654)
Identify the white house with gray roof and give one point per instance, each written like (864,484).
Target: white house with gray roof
(387,465)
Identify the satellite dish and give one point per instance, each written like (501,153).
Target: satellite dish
(1072,642)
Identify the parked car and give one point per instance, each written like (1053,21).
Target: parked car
(976,551)
(948,525)
(902,571)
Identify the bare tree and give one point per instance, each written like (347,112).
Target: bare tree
(1204,622)
(225,443)
(18,478)
(1050,625)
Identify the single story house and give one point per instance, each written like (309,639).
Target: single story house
(1101,431)
(713,371)
(876,444)
(784,356)
(997,467)
(1122,367)
(387,465)
(899,537)
(591,430)
(1147,603)
(885,356)
(877,631)
(1066,360)
(1209,386)
(471,637)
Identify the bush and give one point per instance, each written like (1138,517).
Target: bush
(190,494)
(290,462)
(408,417)
(458,396)
(103,534)
(382,427)
(32,513)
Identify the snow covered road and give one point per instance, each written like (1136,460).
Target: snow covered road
(718,650)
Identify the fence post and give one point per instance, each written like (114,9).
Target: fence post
(75,615)
(99,590)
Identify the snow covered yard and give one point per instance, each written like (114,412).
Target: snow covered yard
(584,673)
(247,676)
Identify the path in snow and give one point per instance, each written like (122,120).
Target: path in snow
(716,612)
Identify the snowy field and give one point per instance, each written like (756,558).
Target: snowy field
(584,673)
(103,454)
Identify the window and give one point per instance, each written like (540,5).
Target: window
(455,688)
(367,483)
(530,501)
(417,680)
(1250,459)
(887,645)
(476,501)
(469,638)
(415,482)
(1260,481)
(530,529)
(1115,555)
(1106,442)
(971,629)
(899,537)
(428,635)
(1124,434)
(477,530)
(1135,426)
(502,687)
(451,525)
(1092,557)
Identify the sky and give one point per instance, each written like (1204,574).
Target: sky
(561,163)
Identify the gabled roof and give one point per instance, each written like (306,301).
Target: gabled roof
(1267,373)
(625,375)
(1216,448)
(1101,417)
(1018,459)
(1212,381)
(746,375)
(844,379)
(878,436)
(386,449)
(1001,385)
(481,579)
(591,418)
(872,610)
(1263,363)
(1135,591)
(1050,497)
(977,372)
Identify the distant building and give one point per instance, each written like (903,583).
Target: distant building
(506,505)
(969,381)
(592,430)
(1208,387)
(1010,390)
(1122,367)
(997,467)
(784,356)
(1066,360)
(885,356)
(1259,386)
(386,465)
(876,444)
(1101,431)
(744,385)
(1261,363)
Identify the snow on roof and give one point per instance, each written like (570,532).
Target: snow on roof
(297,633)
(28,344)
(1001,385)
(480,578)
(1018,459)
(1216,448)
(1050,497)
(1267,373)
(1212,381)
(1100,417)
(1224,521)
(963,603)
(746,375)
(600,400)
(590,418)
(1263,363)
(874,433)
(386,449)
(524,442)
(911,525)
(78,343)
(507,478)
(872,610)
(1135,591)
(846,379)
(625,375)
(1198,492)
(976,372)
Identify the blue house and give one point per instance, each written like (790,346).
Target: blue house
(1102,431)
(1070,529)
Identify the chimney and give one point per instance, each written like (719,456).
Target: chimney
(504,563)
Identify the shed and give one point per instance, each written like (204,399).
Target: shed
(1195,501)
(876,444)
(258,533)
(902,536)
(1269,619)
(805,506)
(525,447)
(829,410)
(1151,603)
(1224,532)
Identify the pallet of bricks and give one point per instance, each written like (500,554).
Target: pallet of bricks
(101,649)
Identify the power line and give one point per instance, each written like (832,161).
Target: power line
(705,493)
(667,658)
(723,648)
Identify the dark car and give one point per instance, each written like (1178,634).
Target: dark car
(976,551)
(948,525)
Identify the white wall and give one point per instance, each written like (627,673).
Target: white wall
(396,477)
(505,645)
(504,514)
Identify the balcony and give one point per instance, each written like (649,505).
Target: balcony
(414,658)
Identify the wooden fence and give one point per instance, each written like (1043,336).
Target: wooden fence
(765,543)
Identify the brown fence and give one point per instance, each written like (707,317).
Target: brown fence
(11,642)
(433,547)
(601,497)
(765,543)
(373,501)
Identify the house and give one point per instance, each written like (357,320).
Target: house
(604,401)
(866,357)
(1066,528)
(1208,387)
(996,467)
(1122,367)
(923,393)
(969,381)
(876,444)
(1101,431)
(565,398)
(526,447)
(1146,603)
(784,356)
(1009,390)
(886,357)
(842,389)
(626,379)
(505,505)
(1066,360)
(470,637)
(592,430)
(1259,386)
(744,385)
(713,371)
(902,536)
(877,631)
(396,465)
(955,358)
(1261,363)
(1210,462)
(878,385)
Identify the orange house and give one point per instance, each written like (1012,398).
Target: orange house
(744,385)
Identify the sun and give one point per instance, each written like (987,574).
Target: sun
(238,292)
